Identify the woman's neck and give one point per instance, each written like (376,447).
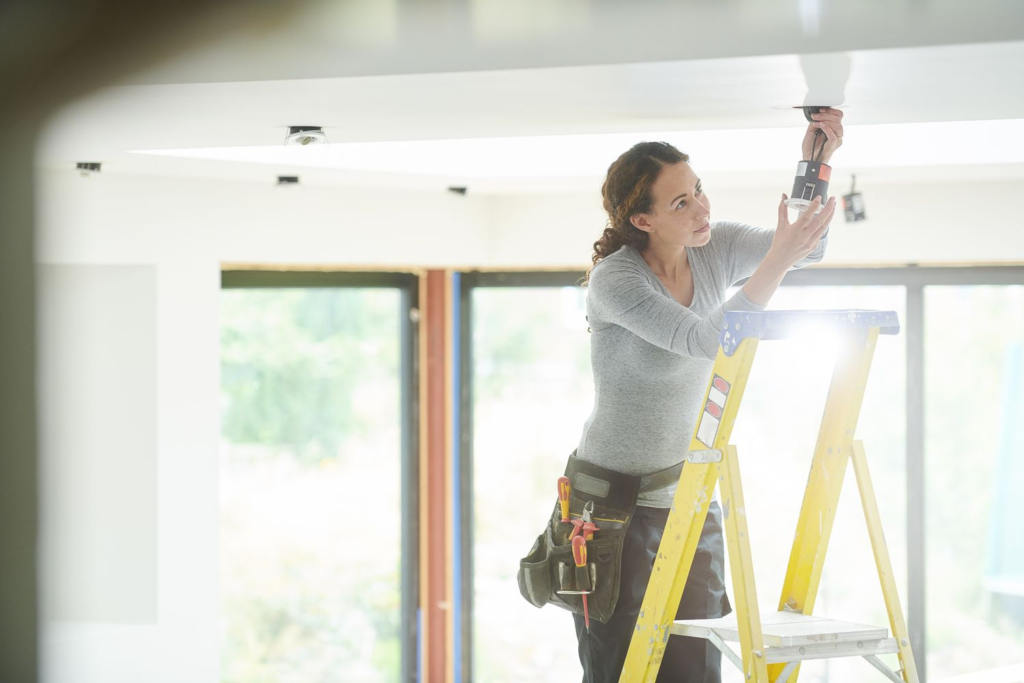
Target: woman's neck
(666,261)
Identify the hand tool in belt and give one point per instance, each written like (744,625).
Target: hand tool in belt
(563,497)
(579,556)
(585,524)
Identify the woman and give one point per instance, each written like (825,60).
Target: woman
(655,305)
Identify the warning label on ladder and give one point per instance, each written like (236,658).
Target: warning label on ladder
(707,430)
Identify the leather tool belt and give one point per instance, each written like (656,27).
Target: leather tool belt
(548,574)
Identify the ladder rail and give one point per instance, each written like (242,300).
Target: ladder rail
(834,449)
(686,521)
(883,563)
(748,617)
(828,470)
(668,576)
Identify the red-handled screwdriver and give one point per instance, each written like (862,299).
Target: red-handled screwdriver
(579,556)
(563,497)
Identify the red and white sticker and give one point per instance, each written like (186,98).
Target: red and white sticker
(707,430)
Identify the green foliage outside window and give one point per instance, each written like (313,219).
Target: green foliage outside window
(291,363)
(311,446)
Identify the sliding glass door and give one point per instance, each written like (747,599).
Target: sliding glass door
(315,474)
(974,419)
(941,422)
(532,390)
(775,435)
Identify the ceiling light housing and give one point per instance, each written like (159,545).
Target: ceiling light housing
(305,135)
(812,175)
(287,180)
(88,168)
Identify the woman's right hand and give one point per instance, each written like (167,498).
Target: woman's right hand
(793,241)
(790,243)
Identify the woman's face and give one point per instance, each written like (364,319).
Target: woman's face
(680,212)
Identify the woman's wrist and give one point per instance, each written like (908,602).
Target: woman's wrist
(761,285)
(773,265)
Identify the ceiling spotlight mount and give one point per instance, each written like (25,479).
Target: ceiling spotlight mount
(88,168)
(305,135)
(287,180)
(810,110)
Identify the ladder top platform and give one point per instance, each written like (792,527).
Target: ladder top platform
(740,325)
(785,629)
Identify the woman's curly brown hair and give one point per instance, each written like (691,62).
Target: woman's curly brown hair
(627,192)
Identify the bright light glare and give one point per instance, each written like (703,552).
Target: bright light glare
(817,331)
(818,342)
(876,146)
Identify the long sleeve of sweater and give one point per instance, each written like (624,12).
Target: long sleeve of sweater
(621,293)
(744,247)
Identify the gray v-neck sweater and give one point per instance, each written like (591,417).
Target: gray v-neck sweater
(652,356)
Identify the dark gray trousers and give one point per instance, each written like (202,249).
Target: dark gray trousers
(687,660)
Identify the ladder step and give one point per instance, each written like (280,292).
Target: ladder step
(785,629)
(791,637)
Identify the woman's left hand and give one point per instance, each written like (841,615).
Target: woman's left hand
(830,122)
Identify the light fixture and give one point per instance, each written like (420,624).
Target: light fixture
(88,168)
(812,175)
(853,204)
(305,135)
(287,180)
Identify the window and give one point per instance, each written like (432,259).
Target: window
(954,412)
(314,478)
(532,389)
(775,434)
(974,477)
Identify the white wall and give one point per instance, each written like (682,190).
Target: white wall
(149,219)
(98,392)
(935,223)
(184,230)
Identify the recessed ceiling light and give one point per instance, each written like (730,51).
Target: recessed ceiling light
(305,135)
(287,180)
(88,168)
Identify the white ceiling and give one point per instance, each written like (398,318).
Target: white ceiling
(722,66)
(334,39)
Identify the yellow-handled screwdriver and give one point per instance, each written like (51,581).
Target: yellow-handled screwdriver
(563,497)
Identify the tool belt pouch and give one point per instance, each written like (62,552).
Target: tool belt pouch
(549,568)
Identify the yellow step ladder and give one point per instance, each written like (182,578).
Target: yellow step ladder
(772,648)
